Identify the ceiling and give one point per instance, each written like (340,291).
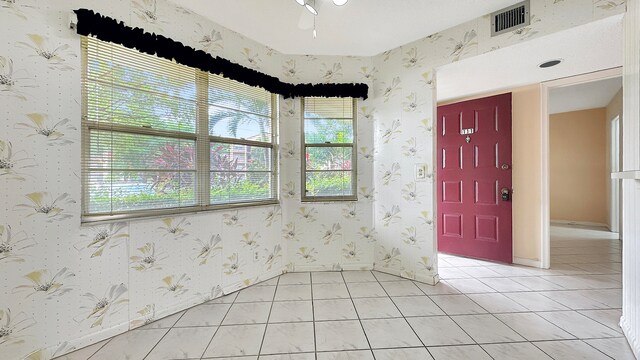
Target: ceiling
(359,28)
(586,48)
(590,95)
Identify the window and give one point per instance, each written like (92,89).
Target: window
(159,137)
(329,164)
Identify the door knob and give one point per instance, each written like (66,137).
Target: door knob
(505,194)
(505,167)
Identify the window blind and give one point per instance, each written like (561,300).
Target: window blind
(164,137)
(242,133)
(329,166)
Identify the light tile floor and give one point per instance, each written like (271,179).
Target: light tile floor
(480,310)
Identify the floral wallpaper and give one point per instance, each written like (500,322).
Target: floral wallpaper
(67,285)
(325,236)
(403,108)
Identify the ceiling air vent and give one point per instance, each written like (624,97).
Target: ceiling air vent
(511,18)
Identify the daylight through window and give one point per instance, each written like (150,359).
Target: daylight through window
(159,137)
(329,164)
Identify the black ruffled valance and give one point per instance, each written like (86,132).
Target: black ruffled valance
(108,29)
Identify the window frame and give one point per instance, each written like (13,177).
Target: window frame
(354,158)
(202,139)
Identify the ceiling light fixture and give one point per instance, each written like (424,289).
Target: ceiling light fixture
(312,9)
(315,34)
(550,63)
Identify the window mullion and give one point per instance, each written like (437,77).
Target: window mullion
(352,145)
(85,142)
(202,143)
(113,75)
(354,149)
(303,153)
(275,147)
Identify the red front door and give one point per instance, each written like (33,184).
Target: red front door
(474,178)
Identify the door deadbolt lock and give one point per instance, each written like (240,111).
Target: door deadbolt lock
(505,166)
(506,194)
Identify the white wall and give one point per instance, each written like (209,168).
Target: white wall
(403,107)
(51,244)
(631,187)
(393,209)
(331,235)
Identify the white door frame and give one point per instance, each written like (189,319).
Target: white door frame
(615,141)
(545,248)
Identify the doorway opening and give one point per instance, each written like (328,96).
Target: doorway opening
(515,69)
(615,161)
(474,178)
(582,202)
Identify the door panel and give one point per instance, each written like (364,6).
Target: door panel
(452,225)
(474,160)
(486,192)
(452,192)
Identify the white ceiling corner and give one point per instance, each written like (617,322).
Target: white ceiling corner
(359,28)
(586,48)
(591,95)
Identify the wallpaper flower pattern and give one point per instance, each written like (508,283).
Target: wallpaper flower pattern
(324,236)
(90,282)
(402,110)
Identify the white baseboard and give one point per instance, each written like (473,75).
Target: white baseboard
(233,287)
(582,223)
(632,337)
(90,339)
(427,279)
(305,268)
(332,267)
(189,303)
(357,267)
(527,262)
(132,323)
(431,280)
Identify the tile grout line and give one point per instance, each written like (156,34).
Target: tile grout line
(611,357)
(544,352)
(313,318)
(141,328)
(607,326)
(158,342)
(494,316)
(266,326)
(450,318)
(221,321)
(357,314)
(558,340)
(606,293)
(168,330)
(570,309)
(95,352)
(404,317)
(443,312)
(526,340)
(533,312)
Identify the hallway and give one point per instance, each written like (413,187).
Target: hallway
(479,310)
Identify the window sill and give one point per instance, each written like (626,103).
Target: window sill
(91,220)
(328,199)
